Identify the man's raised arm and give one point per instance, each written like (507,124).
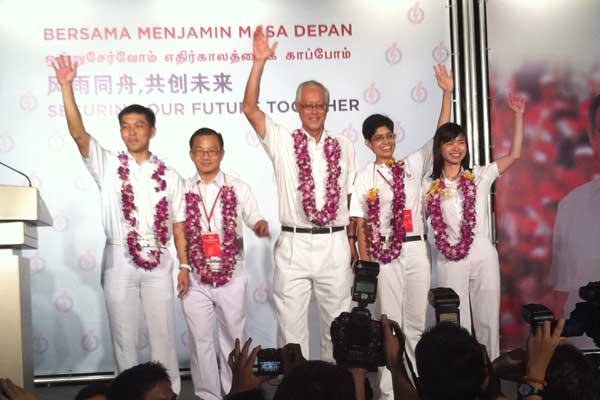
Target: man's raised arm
(65,73)
(261,52)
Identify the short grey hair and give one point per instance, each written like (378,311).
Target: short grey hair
(312,83)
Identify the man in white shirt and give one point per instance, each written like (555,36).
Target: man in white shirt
(216,206)
(142,204)
(314,173)
(575,250)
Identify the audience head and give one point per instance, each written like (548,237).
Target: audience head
(450,362)
(148,381)
(316,380)
(571,376)
(93,391)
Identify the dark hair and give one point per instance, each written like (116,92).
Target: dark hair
(134,383)
(92,390)
(570,376)
(137,109)
(592,114)
(450,363)
(374,122)
(444,134)
(316,380)
(207,132)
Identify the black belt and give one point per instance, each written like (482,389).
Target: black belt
(415,238)
(313,231)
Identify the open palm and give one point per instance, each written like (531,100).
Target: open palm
(261,48)
(444,78)
(516,103)
(65,69)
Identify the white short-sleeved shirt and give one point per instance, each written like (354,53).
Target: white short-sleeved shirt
(452,205)
(416,166)
(103,165)
(575,249)
(279,144)
(575,243)
(247,207)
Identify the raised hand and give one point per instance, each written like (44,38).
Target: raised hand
(393,342)
(65,69)
(241,362)
(516,103)
(444,78)
(540,348)
(260,45)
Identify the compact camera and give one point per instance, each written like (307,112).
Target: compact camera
(269,362)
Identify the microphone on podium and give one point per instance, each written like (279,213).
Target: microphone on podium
(18,172)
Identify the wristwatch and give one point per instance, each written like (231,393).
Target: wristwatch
(525,390)
(185,266)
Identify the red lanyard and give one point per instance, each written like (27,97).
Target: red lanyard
(212,209)
(385,179)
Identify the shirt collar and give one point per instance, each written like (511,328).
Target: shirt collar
(312,140)
(218,180)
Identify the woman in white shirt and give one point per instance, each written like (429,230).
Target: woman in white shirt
(463,255)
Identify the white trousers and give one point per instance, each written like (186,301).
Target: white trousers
(476,280)
(208,309)
(306,263)
(133,294)
(403,286)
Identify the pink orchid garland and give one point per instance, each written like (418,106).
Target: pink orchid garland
(307,183)
(161,216)
(193,230)
(461,249)
(374,238)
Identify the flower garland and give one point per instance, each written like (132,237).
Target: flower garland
(374,237)
(307,183)
(161,216)
(460,250)
(193,231)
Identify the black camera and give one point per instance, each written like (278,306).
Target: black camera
(445,301)
(269,362)
(358,339)
(584,319)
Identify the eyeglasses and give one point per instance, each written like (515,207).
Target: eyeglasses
(204,152)
(317,107)
(381,138)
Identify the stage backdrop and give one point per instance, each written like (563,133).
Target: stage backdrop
(189,61)
(549,52)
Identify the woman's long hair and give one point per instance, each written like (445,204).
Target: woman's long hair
(444,134)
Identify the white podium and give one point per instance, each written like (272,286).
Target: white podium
(21,212)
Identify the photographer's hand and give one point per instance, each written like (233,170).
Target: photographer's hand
(359,376)
(394,345)
(243,379)
(10,391)
(393,342)
(540,348)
